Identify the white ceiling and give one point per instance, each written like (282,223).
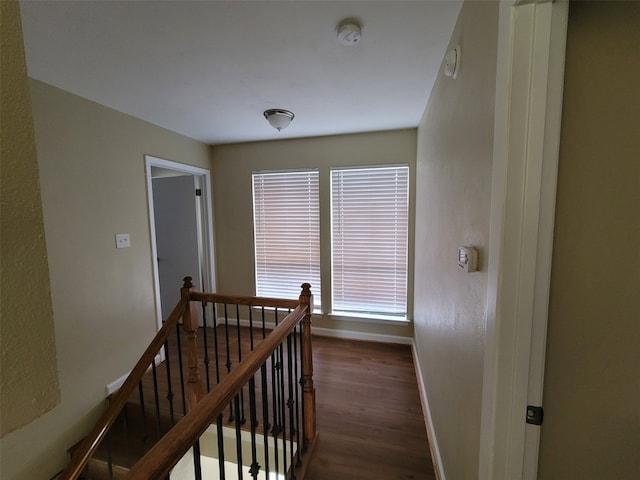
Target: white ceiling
(208,69)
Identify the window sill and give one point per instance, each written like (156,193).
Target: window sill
(355,317)
(369,318)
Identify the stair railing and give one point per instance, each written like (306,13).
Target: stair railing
(118,400)
(203,403)
(159,461)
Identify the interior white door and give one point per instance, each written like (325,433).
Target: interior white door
(176,224)
(529,83)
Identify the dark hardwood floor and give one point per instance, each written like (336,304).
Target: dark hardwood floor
(369,416)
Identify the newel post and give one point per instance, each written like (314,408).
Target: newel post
(195,389)
(309,392)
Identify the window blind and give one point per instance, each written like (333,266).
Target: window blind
(286,216)
(370,212)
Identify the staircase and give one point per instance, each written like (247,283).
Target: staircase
(211,397)
(128,440)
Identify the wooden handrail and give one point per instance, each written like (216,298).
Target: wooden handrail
(244,300)
(119,399)
(174,445)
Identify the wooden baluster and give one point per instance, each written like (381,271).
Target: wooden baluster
(195,388)
(306,298)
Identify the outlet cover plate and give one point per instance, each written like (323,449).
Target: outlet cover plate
(123,240)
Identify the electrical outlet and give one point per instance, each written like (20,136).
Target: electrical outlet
(123,240)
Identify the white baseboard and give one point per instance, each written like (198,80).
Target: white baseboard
(352,335)
(116,384)
(329,332)
(433,441)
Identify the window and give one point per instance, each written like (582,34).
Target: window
(286,216)
(369,210)
(369,222)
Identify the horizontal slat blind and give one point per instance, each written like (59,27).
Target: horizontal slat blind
(286,217)
(370,212)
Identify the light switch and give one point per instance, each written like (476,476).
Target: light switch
(123,240)
(467,259)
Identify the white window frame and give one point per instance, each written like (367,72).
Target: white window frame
(276,255)
(370,301)
(322,289)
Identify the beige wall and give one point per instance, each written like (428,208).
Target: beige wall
(93,185)
(233,166)
(29,379)
(453,190)
(592,379)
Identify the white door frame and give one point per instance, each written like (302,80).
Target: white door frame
(205,224)
(528,106)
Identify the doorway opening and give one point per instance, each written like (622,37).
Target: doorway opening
(181,226)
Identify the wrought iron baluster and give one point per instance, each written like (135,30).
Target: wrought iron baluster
(251,327)
(156,396)
(302,382)
(169,382)
(274,400)
(236,402)
(109,455)
(253,418)
(226,335)
(278,366)
(243,419)
(283,406)
(265,416)
(266,425)
(297,394)
(125,419)
(197,461)
(145,435)
(206,360)
(180,364)
(238,334)
(291,404)
(215,343)
(220,433)
(228,364)
(275,431)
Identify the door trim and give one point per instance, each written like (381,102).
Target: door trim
(528,106)
(205,223)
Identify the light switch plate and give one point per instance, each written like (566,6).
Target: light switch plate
(467,259)
(123,240)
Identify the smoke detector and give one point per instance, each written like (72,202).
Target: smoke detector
(349,31)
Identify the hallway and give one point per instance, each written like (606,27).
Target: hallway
(370,420)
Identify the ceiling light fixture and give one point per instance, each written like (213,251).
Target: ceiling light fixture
(278,118)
